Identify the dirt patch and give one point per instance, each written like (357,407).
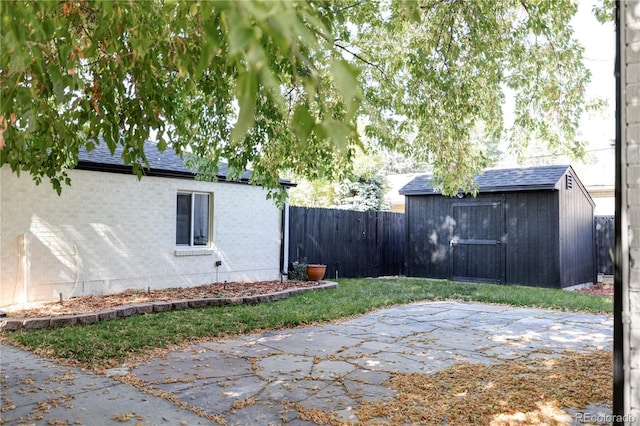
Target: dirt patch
(90,304)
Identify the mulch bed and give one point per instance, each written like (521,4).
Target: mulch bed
(599,289)
(91,304)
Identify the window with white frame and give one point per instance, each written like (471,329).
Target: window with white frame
(193,217)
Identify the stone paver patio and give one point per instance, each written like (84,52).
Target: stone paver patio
(333,367)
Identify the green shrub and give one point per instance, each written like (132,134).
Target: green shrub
(298,271)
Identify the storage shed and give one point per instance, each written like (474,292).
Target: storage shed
(529,226)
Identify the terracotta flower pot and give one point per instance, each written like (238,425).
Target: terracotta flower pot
(316,272)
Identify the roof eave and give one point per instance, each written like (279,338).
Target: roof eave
(121,169)
(491,189)
(175,174)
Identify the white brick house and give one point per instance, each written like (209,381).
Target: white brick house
(109,231)
(627,279)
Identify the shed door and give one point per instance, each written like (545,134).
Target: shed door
(477,252)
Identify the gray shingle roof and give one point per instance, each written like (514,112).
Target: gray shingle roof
(499,180)
(166,163)
(167,160)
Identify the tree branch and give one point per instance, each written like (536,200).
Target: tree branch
(360,58)
(545,29)
(351,6)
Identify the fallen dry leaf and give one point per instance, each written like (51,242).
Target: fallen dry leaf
(513,392)
(124,417)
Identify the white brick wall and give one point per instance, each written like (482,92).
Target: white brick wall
(109,232)
(630,11)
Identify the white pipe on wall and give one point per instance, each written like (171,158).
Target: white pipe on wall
(285,239)
(24,265)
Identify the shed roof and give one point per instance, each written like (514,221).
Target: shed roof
(161,163)
(499,180)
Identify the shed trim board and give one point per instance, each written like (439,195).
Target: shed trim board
(539,232)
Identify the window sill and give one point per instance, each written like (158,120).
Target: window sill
(193,251)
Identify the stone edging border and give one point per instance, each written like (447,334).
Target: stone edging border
(16,324)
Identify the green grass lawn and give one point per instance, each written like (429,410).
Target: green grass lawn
(109,343)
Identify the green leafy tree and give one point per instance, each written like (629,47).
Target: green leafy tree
(313,193)
(279,86)
(362,193)
(362,186)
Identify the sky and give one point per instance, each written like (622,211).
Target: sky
(598,128)
(599,41)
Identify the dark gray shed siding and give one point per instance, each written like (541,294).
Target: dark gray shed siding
(578,262)
(532,243)
(547,238)
(429,230)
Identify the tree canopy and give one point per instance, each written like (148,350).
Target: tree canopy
(362,188)
(284,86)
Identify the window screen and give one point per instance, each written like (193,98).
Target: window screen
(183,219)
(200,219)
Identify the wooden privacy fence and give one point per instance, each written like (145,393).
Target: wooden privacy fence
(352,244)
(604,243)
(371,244)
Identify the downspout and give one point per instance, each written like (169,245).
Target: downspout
(621,319)
(78,270)
(284,243)
(2,314)
(24,266)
